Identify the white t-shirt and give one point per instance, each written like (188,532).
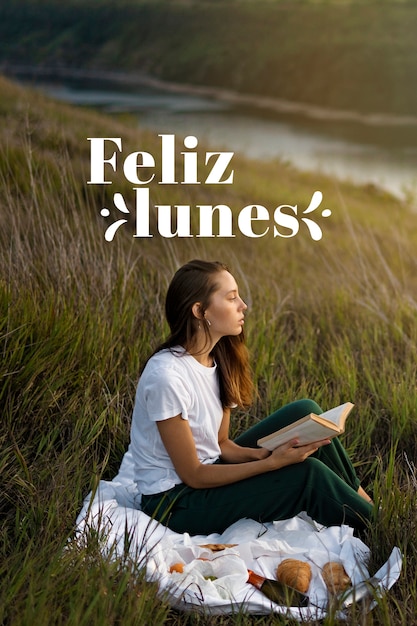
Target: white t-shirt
(172,384)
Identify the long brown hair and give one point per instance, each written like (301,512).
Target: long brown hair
(196,282)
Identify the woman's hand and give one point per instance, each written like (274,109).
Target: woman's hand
(179,443)
(291,453)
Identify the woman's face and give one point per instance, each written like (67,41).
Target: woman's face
(225,313)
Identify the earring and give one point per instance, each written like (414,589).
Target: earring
(208,322)
(199,326)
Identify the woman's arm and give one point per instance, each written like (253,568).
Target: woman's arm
(231,452)
(179,442)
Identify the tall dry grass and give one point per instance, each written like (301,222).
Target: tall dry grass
(333,320)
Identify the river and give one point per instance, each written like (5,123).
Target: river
(382,155)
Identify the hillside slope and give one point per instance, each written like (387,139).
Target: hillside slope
(333,319)
(357,56)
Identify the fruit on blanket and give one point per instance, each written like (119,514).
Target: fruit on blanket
(295,573)
(335,577)
(176,567)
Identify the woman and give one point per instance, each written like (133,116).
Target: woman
(192,477)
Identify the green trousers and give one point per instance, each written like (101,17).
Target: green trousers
(324,485)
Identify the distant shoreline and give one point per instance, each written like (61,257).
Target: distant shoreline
(277,105)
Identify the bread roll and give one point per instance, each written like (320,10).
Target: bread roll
(335,577)
(294,573)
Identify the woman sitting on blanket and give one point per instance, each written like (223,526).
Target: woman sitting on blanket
(192,477)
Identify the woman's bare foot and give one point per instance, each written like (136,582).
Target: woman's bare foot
(364,495)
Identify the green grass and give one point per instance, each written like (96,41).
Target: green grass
(333,320)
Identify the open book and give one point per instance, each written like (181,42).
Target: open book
(310,428)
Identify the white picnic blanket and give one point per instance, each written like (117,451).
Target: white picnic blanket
(216,582)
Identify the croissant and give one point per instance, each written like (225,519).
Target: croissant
(217,547)
(294,573)
(335,577)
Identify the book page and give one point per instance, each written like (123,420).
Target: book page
(306,431)
(334,415)
(310,428)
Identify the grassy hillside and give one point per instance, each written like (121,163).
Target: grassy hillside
(333,320)
(346,55)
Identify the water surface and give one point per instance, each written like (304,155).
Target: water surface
(379,155)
